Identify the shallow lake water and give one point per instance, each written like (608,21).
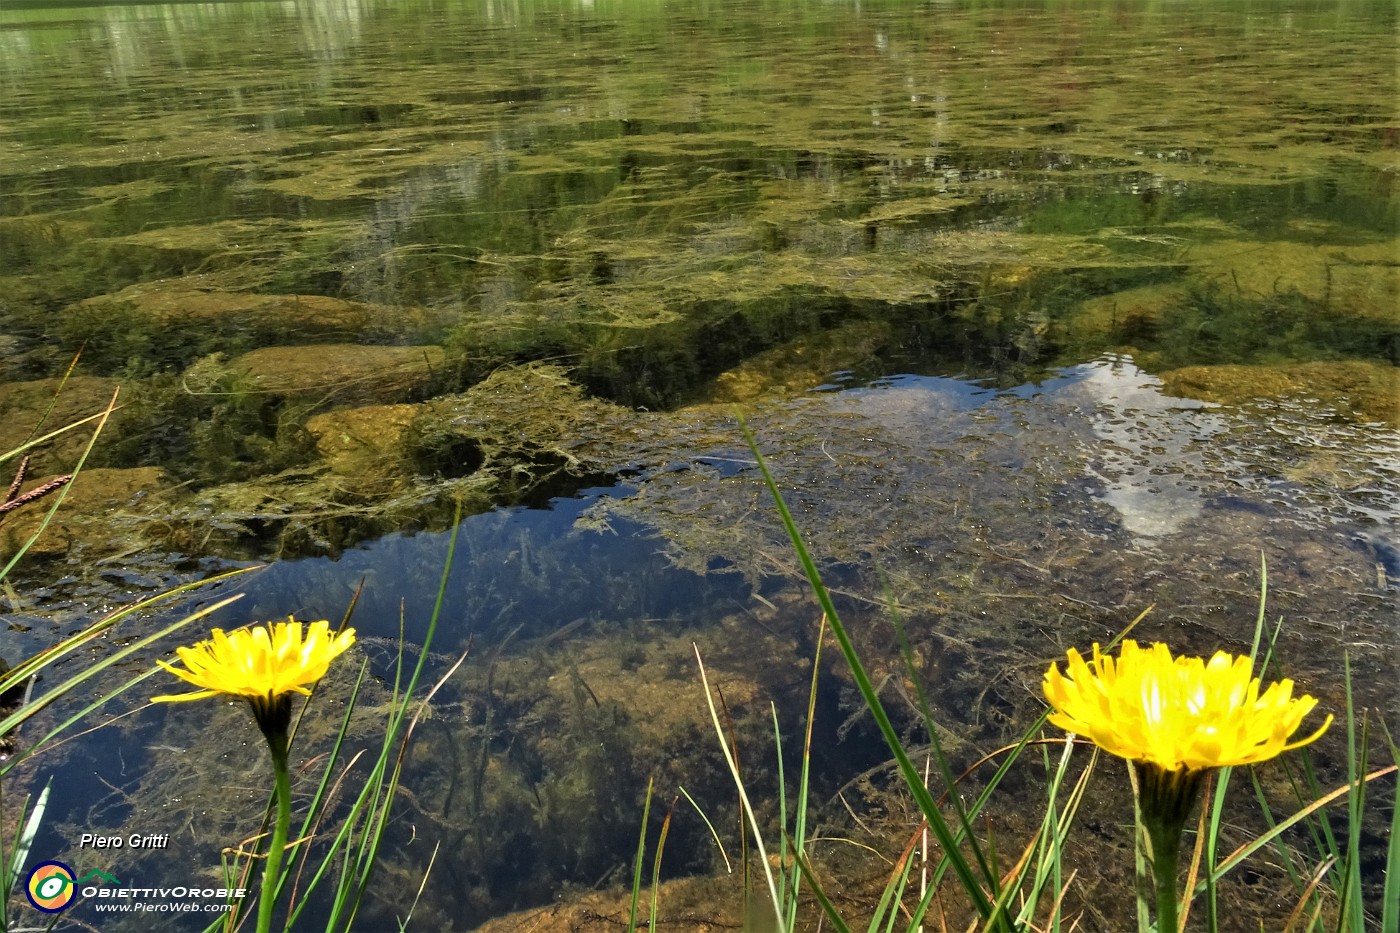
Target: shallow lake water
(1044,313)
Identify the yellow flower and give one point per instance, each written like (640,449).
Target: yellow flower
(261,663)
(265,665)
(1176,713)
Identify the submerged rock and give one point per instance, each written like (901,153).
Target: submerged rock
(366,442)
(527,423)
(525,434)
(101,514)
(312,511)
(184,302)
(801,364)
(173,321)
(36,408)
(1366,391)
(1360,281)
(344,372)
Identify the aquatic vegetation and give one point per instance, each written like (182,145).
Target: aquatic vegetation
(653,236)
(1365,391)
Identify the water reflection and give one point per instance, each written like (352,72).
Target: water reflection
(518,573)
(1148,451)
(137,38)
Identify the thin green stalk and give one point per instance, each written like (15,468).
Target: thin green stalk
(887,911)
(384,792)
(1390,897)
(51,655)
(1164,858)
(1282,851)
(1352,911)
(25,831)
(1166,799)
(989,789)
(1237,857)
(744,805)
(1054,832)
(62,493)
(783,895)
(828,908)
(804,780)
(272,871)
(378,794)
(714,834)
(1142,873)
(945,770)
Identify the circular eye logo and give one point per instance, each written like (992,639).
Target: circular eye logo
(50,887)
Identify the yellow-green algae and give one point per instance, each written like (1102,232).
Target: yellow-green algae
(1368,391)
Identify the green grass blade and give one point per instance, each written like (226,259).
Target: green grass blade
(887,910)
(639,860)
(783,887)
(25,840)
(970,882)
(803,783)
(744,803)
(63,493)
(1352,914)
(385,793)
(1217,816)
(1054,831)
(30,666)
(1282,851)
(1236,858)
(940,756)
(1390,898)
(828,908)
(656,864)
(381,804)
(69,685)
(368,815)
(729,868)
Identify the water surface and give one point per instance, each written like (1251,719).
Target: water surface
(1044,312)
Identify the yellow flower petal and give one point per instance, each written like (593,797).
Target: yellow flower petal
(259,663)
(1176,713)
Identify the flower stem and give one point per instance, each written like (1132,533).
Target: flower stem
(1165,799)
(1164,861)
(272,871)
